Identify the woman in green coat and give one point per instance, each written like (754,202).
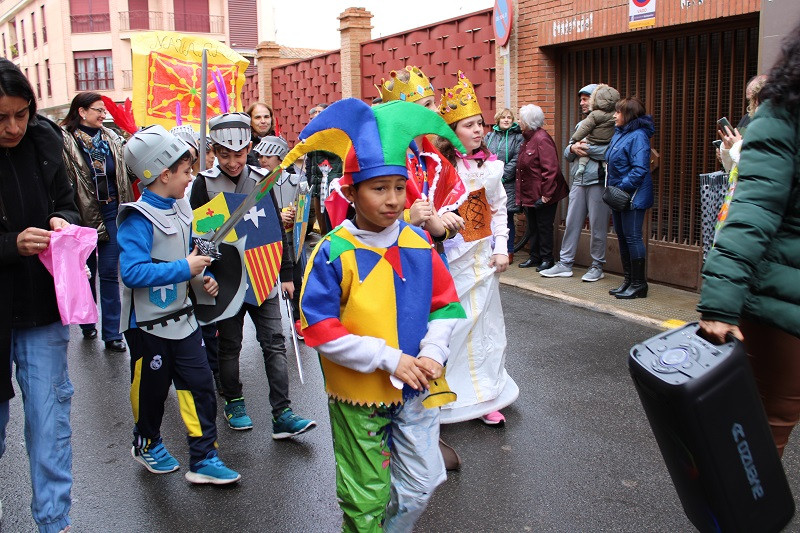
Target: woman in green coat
(504,141)
(751,279)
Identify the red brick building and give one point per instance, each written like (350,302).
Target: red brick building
(690,67)
(689,64)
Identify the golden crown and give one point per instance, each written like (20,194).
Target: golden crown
(397,87)
(460,101)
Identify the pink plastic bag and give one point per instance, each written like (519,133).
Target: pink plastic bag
(65,259)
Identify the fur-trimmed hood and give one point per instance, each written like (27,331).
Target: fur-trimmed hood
(604,98)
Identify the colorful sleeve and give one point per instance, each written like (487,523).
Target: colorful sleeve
(320,299)
(445,310)
(444,303)
(322,327)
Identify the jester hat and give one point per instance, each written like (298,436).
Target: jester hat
(371,141)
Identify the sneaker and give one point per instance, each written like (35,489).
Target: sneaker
(298,329)
(211,470)
(289,424)
(594,273)
(494,418)
(236,414)
(155,458)
(559,270)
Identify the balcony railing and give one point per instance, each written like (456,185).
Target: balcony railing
(94,81)
(127,80)
(196,23)
(92,23)
(141,20)
(156,20)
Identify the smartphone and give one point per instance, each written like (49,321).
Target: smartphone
(717,144)
(723,123)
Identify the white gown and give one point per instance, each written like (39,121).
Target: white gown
(476,367)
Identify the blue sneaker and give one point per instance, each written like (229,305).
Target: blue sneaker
(155,458)
(289,424)
(236,414)
(211,470)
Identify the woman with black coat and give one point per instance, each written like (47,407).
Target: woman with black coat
(36,200)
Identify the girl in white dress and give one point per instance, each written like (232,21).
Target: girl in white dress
(477,255)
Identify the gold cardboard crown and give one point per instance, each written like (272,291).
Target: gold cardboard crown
(460,101)
(417,87)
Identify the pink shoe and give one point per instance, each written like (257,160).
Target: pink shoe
(299,330)
(494,418)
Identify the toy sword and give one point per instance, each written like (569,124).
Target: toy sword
(294,336)
(208,247)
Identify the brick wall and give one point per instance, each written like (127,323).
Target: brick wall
(549,23)
(298,86)
(440,50)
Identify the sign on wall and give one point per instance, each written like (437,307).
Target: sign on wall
(641,13)
(503,17)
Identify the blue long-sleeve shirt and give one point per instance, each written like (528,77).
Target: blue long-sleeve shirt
(135,239)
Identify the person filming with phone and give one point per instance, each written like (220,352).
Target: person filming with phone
(730,147)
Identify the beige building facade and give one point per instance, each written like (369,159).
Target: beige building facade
(68,46)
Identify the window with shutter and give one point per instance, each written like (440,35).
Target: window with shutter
(192,16)
(89,16)
(44,28)
(94,71)
(138,15)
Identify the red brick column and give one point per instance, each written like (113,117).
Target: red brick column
(356,28)
(267,57)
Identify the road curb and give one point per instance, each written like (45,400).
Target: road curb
(594,306)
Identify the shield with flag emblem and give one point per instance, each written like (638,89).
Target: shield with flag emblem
(261,231)
(301,218)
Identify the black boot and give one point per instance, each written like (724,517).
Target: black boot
(626,276)
(638,286)
(530,262)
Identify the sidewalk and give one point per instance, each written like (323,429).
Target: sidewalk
(665,307)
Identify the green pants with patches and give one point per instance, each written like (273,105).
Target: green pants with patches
(388,463)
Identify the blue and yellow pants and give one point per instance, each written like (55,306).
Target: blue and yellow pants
(156,363)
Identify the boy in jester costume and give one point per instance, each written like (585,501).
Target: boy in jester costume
(379,306)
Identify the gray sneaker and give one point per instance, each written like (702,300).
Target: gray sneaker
(594,273)
(559,270)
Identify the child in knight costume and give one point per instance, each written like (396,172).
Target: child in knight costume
(157,319)
(230,133)
(270,151)
(476,370)
(385,440)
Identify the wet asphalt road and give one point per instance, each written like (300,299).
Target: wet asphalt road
(576,454)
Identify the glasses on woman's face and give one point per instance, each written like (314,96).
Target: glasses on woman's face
(100,110)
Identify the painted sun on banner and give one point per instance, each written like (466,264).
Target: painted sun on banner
(167,77)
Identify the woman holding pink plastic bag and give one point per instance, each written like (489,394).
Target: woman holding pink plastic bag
(36,200)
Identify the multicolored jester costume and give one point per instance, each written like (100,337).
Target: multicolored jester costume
(368,298)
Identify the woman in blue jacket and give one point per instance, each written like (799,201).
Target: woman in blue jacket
(628,159)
